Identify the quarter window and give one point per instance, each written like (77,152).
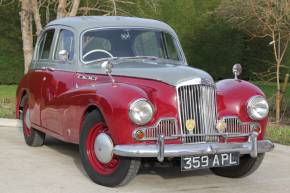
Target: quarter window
(65,42)
(45,45)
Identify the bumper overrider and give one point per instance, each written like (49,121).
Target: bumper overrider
(160,150)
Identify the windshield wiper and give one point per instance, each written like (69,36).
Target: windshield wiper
(126,58)
(101,60)
(148,57)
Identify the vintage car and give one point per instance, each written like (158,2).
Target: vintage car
(121,88)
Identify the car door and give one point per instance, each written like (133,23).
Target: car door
(37,74)
(59,79)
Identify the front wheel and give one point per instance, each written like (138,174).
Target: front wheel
(246,167)
(101,166)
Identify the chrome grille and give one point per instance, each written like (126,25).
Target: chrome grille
(198,102)
(235,126)
(165,126)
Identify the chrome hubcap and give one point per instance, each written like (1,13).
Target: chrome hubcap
(104,148)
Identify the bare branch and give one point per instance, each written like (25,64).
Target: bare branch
(114,7)
(75,7)
(262,18)
(61,9)
(36,16)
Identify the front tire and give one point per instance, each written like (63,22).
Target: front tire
(32,136)
(247,166)
(119,171)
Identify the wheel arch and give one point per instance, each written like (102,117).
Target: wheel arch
(20,102)
(90,108)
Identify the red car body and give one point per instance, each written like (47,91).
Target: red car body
(62,91)
(59,109)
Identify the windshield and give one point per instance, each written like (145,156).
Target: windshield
(124,43)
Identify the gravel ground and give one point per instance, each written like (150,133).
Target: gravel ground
(56,168)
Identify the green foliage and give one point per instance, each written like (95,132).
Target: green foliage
(11,55)
(207,42)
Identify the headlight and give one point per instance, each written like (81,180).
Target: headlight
(257,107)
(141,111)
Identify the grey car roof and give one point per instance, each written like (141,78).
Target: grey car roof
(82,23)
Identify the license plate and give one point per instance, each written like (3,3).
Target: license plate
(209,161)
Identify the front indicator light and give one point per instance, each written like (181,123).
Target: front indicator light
(139,134)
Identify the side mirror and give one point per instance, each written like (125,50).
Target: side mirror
(237,70)
(107,66)
(63,55)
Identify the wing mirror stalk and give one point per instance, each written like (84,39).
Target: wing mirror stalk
(107,66)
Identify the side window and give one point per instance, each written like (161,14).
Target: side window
(65,42)
(147,44)
(170,47)
(45,45)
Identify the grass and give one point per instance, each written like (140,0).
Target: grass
(279,135)
(7,101)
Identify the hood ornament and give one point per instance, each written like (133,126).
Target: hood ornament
(107,66)
(237,70)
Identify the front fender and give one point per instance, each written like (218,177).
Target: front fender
(111,99)
(232,98)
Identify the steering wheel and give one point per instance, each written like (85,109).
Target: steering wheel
(97,50)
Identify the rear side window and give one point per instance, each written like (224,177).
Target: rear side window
(65,42)
(45,45)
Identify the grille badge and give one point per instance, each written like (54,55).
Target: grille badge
(190,124)
(221,126)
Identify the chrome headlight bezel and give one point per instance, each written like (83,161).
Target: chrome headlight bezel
(257,112)
(139,104)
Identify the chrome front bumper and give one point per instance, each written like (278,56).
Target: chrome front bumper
(161,150)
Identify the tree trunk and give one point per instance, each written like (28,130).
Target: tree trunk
(278,109)
(36,16)
(278,94)
(26,29)
(75,7)
(61,9)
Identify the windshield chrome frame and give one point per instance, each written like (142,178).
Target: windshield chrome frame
(175,39)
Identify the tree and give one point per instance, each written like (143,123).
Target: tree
(262,19)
